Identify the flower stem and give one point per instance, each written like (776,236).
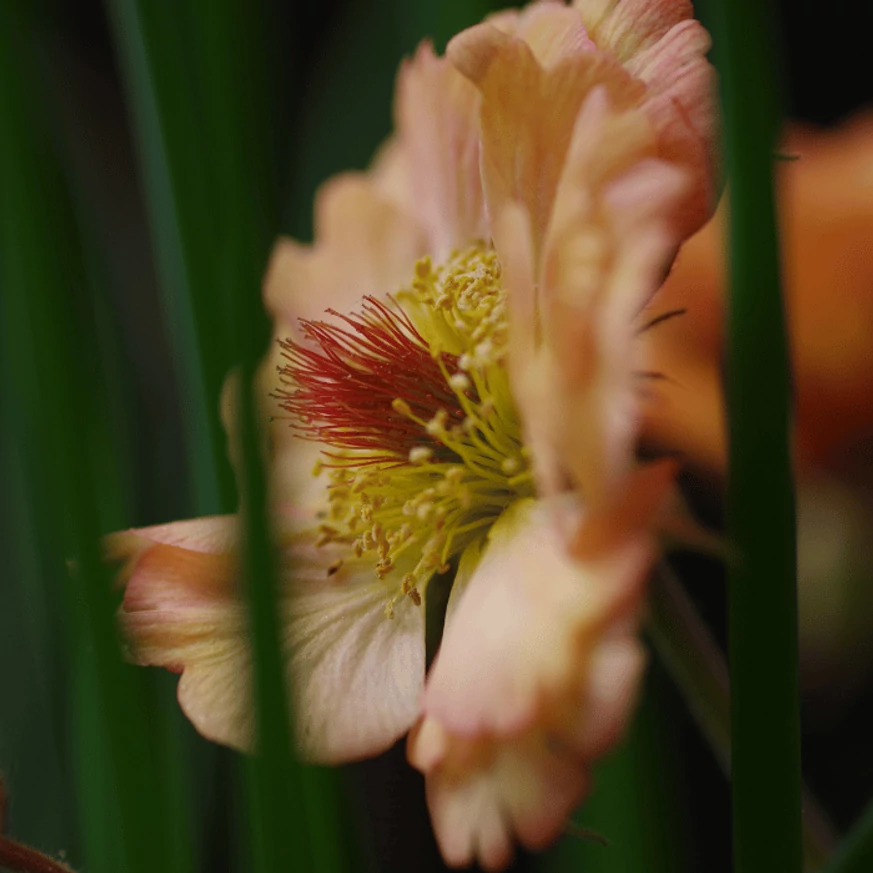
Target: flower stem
(692,657)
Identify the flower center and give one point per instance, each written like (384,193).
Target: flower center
(410,399)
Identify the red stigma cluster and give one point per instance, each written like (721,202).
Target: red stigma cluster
(344,377)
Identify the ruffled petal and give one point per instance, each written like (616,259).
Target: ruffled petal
(364,244)
(528,113)
(438,122)
(681,104)
(551,29)
(356,676)
(614,228)
(537,676)
(628,27)
(483,796)
(516,649)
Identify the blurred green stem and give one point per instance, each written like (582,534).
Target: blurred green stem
(761,523)
(687,649)
(42,278)
(856,853)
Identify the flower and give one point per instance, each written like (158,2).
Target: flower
(471,400)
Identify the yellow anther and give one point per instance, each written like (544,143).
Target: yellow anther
(326,534)
(438,423)
(420,454)
(459,382)
(383,568)
(454,474)
(510,466)
(423,267)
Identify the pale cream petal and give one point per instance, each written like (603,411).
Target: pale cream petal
(438,121)
(520,637)
(364,245)
(215,689)
(484,796)
(213,535)
(356,676)
(392,174)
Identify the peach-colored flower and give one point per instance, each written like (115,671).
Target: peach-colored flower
(540,181)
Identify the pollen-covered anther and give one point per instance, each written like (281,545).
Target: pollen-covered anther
(326,534)
(423,267)
(459,382)
(437,425)
(414,406)
(383,568)
(510,466)
(420,454)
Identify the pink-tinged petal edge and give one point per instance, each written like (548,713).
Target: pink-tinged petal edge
(357,677)
(484,796)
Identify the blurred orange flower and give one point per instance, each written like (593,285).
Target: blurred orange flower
(826,213)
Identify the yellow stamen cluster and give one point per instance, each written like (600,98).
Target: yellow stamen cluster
(415,513)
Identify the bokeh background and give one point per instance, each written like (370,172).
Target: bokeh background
(308,94)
